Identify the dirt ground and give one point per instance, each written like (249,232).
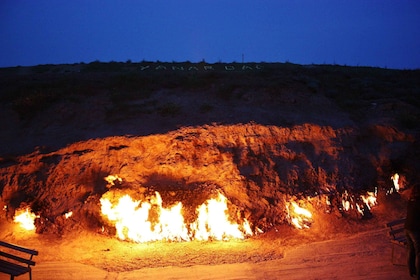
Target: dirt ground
(366,255)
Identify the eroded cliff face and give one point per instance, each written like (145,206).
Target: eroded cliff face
(258,168)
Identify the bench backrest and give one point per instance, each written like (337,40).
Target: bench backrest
(13,247)
(396,230)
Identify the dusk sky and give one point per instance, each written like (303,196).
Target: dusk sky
(379,33)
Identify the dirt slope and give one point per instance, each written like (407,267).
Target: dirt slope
(263,138)
(258,168)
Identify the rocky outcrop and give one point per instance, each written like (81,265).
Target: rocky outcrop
(258,168)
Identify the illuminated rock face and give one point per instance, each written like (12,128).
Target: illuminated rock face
(257,168)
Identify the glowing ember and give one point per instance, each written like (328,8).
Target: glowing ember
(25,218)
(299,217)
(132,220)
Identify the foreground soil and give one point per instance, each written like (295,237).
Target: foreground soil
(365,255)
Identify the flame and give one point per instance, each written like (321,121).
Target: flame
(395,179)
(366,201)
(149,221)
(370,199)
(346,201)
(68,214)
(25,218)
(328,201)
(360,210)
(346,205)
(213,222)
(112,178)
(299,217)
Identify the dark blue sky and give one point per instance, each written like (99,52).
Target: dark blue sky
(384,33)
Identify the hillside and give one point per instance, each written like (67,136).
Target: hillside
(108,99)
(264,136)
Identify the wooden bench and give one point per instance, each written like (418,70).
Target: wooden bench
(397,235)
(16,260)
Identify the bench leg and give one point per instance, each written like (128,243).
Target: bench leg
(392,254)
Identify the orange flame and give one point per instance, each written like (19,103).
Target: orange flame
(369,199)
(349,202)
(395,178)
(112,178)
(299,217)
(68,214)
(25,218)
(132,220)
(213,222)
